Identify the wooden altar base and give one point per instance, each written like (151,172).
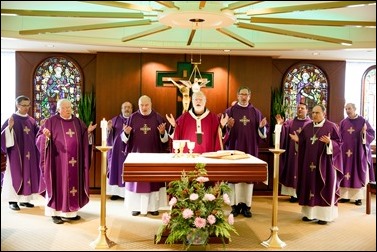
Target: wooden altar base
(212,239)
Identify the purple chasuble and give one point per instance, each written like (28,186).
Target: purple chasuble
(288,159)
(357,157)
(188,125)
(65,160)
(319,174)
(244,134)
(117,154)
(145,138)
(23,156)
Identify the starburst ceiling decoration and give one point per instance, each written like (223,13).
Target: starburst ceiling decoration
(173,24)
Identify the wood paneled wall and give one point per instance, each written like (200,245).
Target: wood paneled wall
(117,77)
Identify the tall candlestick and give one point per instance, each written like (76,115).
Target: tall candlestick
(104,131)
(277,136)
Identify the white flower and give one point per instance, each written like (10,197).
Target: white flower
(226,198)
(209,197)
(194,196)
(172,201)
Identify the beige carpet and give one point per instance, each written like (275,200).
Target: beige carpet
(29,229)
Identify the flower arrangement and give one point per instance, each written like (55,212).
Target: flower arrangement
(194,206)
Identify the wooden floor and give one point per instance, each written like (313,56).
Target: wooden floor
(29,229)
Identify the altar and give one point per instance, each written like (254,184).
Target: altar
(165,167)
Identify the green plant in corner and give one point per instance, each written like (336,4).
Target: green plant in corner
(87,108)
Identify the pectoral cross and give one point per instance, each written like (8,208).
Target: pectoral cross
(314,138)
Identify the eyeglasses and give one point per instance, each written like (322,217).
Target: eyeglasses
(243,94)
(24,105)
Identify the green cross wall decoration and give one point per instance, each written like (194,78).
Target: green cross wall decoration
(183,73)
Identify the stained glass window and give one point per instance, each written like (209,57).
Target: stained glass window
(56,78)
(305,83)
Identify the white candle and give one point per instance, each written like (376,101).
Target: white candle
(277,136)
(104,131)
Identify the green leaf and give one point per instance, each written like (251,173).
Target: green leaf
(87,108)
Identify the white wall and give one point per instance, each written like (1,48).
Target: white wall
(8,84)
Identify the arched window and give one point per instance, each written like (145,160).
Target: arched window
(305,83)
(368,96)
(56,78)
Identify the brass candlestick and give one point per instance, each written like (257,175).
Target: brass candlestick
(102,242)
(274,241)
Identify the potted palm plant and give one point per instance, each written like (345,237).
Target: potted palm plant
(87,109)
(278,107)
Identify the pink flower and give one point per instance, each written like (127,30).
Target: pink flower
(165,218)
(187,213)
(194,196)
(209,197)
(226,199)
(200,222)
(211,219)
(202,179)
(173,201)
(231,219)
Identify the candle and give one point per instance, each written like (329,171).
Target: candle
(104,131)
(277,136)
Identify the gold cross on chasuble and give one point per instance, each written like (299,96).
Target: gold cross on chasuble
(145,129)
(349,153)
(351,130)
(244,120)
(73,191)
(312,166)
(72,161)
(26,130)
(347,176)
(70,133)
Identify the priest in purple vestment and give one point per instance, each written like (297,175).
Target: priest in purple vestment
(22,173)
(65,161)
(117,154)
(199,125)
(247,129)
(288,159)
(145,133)
(320,168)
(357,135)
